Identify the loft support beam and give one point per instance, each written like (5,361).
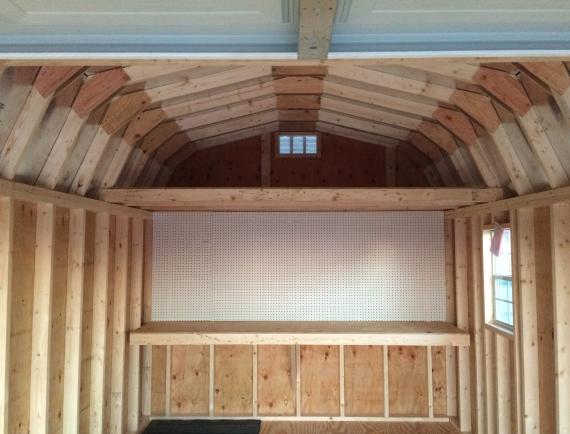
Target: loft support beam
(29,193)
(290,199)
(316,20)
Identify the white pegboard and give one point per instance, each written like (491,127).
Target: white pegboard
(385,266)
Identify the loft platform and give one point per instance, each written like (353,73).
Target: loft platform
(299,332)
(300,199)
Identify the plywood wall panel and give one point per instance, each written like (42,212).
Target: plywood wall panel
(408,381)
(342,163)
(276,383)
(364,380)
(57,344)
(158,383)
(236,164)
(439,378)
(233,380)
(320,380)
(190,380)
(21,320)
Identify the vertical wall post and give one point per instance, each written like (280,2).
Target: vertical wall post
(450,352)
(528,327)
(100,314)
(147,316)
(266,160)
(561,290)
(73,318)
(390,156)
(462,318)
(119,349)
(429,359)
(6,252)
(135,321)
(517,425)
(477,300)
(41,320)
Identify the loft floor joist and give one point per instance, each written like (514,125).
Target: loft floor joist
(300,199)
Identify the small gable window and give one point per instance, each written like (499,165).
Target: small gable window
(298,144)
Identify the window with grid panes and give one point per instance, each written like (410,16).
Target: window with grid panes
(499,310)
(298,144)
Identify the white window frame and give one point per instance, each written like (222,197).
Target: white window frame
(489,286)
(297,133)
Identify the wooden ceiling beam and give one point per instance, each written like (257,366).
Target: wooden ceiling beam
(298,115)
(187,150)
(226,113)
(437,157)
(363,125)
(479,106)
(144,73)
(501,85)
(50,79)
(379,99)
(135,167)
(505,88)
(171,146)
(317,70)
(556,76)
(454,70)
(97,89)
(216,100)
(298,85)
(547,135)
(314,199)
(316,20)
(47,83)
(29,193)
(136,129)
(127,106)
(233,125)
(361,136)
(373,113)
(415,88)
(294,102)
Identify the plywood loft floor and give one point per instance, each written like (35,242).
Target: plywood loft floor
(357,428)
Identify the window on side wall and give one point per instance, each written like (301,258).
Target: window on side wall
(498,280)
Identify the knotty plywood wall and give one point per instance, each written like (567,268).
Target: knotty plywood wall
(298,382)
(71,287)
(342,163)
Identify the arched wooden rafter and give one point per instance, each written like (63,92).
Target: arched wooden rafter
(79,128)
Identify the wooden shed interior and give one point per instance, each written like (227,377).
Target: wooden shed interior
(150,210)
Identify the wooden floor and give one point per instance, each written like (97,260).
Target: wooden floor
(357,428)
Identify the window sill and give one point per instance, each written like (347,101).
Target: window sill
(506,331)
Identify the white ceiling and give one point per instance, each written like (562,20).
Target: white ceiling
(270,26)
